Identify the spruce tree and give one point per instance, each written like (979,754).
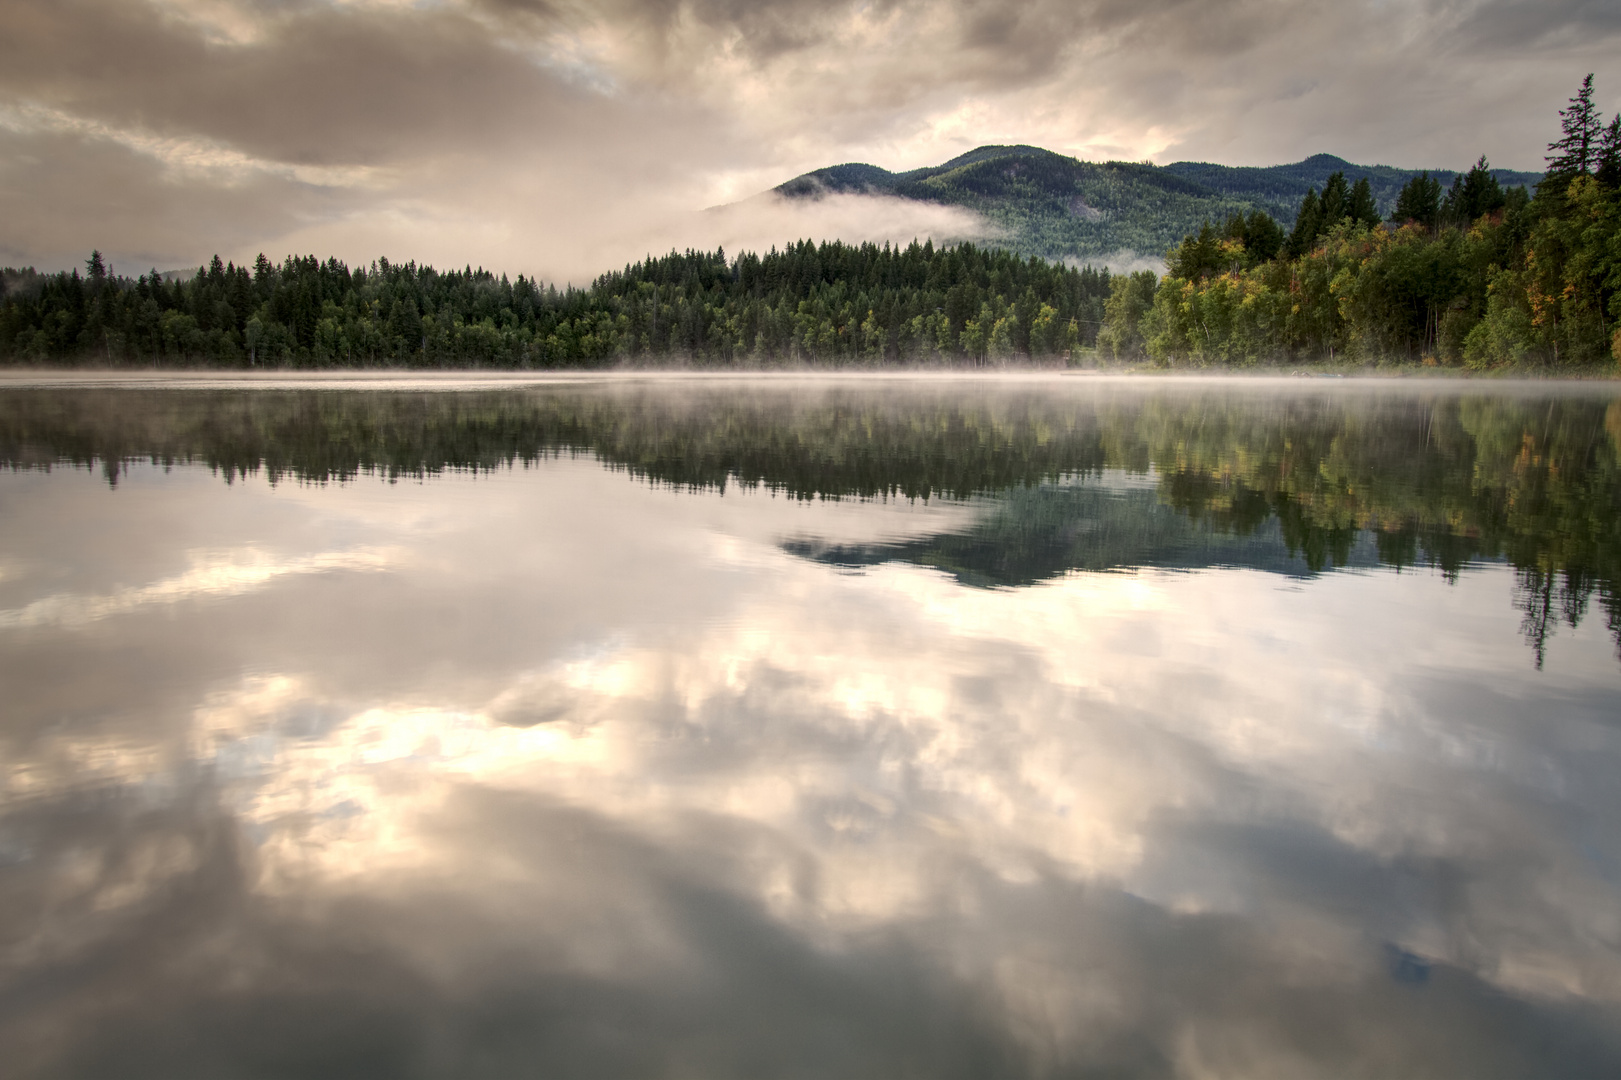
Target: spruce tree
(1473,194)
(1609,155)
(1362,209)
(1263,237)
(1198,256)
(1336,202)
(1576,151)
(1419,201)
(1308,225)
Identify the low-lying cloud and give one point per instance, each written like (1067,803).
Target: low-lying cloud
(1124,261)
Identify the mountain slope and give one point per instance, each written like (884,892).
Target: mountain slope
(1058,207)
(1279,188)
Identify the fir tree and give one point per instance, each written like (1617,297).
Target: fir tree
(1419,201)
(1263,237)
(1609,155)
(1320,213)
(1576,151)
(1198,256)
(1336,201)
(1473,194)
(1308,225)
(1362,209)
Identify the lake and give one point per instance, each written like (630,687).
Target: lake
(810,727)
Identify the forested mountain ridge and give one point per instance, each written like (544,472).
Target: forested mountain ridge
(1278,189)
(1059,207)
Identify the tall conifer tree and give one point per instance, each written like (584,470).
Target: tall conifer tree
(1336,201)
(1473,194)
(1419,201)
(1609,155)
(1308,225)
(1361,208)
(1576,151)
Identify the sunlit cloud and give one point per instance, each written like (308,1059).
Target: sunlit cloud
(185,157)
(213,574)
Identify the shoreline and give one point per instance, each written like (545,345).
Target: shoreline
(484,379)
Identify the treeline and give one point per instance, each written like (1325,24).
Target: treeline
(1475,276)
(828,303)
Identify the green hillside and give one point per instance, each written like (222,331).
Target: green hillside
(1059,207)
(1278,188)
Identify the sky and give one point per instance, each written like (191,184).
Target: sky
(562,138)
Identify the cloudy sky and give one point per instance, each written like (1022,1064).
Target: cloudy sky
(563,137)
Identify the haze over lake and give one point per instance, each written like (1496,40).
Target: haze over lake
(798,727)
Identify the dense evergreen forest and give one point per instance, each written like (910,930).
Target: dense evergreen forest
(1475,275)
(1291,483)
(828,303)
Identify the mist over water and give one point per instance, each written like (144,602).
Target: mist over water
(1051,726)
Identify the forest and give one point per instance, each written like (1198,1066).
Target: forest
(1477,276)
(827,303)
(1474,275)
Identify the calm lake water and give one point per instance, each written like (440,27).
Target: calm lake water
(739,729)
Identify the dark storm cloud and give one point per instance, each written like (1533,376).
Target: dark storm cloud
(326,86)
(148,136)
(1554,24)
(63,193)
(559,136)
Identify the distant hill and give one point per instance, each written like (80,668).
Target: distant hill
(1277,189)
(1059,207)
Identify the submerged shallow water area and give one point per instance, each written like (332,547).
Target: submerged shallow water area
(808,728)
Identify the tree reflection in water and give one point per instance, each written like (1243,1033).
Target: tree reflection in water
(1238,473)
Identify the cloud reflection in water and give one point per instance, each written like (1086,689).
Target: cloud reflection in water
(608,782)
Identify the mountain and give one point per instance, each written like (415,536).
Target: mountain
(1278,189)
(1060,207)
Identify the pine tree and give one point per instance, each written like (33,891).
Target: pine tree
(1576,151)
(1609,155)
(1419,201)
(1362,209)
(1308,225)
(1336,201)
(1473,194)
(1263,237)
(1198,256)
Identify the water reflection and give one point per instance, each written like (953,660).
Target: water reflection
(554,770)
(1437,476)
